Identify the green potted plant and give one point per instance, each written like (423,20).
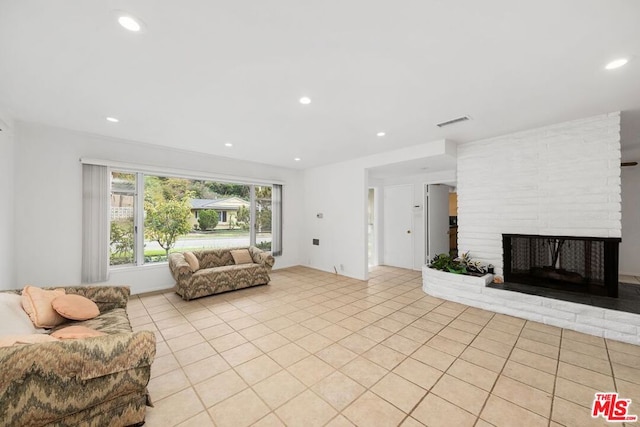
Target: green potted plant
(460,265)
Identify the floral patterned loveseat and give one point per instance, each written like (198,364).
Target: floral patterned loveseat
(99,381)
(218,272)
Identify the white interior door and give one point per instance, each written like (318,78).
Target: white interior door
(398,226)
(436,220)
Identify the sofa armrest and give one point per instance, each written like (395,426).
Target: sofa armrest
(261,257)
(77,359)
(180,268)
(48,381)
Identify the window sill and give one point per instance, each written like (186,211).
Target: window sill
(137,267)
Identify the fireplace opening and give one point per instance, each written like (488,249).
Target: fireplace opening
(586,265)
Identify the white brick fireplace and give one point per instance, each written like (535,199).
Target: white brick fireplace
(561,180)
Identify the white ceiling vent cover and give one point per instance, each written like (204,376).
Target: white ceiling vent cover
(453,121)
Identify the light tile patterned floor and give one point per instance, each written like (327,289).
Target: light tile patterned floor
(314,349)
(625,278)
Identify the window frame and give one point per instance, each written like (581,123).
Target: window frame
(139,212)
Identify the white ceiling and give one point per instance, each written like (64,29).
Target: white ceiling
(206,72)
(421,166)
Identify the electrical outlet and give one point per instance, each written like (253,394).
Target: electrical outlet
(316,242)
(341,267)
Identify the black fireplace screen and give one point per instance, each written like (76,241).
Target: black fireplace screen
(579,264)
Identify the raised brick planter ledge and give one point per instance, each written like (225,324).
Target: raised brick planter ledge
(473,291)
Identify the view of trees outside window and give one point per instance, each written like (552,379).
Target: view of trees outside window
(121,236)
(185,215)
(263,217)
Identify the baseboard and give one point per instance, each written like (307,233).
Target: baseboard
(621,273)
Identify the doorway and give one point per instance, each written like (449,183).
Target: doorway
(398,226)
(372,249)
(436,220)
(453,224)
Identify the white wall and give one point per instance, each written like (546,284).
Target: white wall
(7,272)
(630,246)
(48,196)
(557,180)
(339,192)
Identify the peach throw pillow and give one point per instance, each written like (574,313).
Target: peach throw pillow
(9,340)
(75,307)
(37,303)
(76,332)
(241,256)
(192,260)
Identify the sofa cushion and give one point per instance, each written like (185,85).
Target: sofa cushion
(37,303)
(13,319)
(192,260)
(214,258)
(75,307)
(76,332)
(241,256)
(9,340)
(212,272)
(110,322)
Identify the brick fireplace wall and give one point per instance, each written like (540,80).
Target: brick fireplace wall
(562,179)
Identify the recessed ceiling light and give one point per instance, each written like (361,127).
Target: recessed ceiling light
(228,144)
(130,23)
(112,120)
(381,134)
(297,159)
(616,64)
(305,100)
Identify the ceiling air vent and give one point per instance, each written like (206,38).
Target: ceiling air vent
(453,121)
